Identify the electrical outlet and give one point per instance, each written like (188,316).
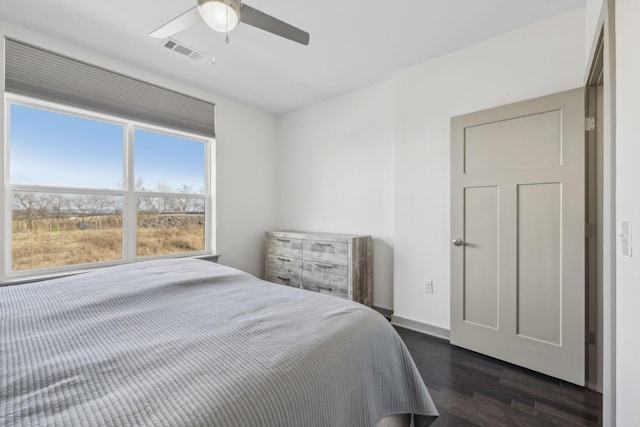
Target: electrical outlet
(428,286)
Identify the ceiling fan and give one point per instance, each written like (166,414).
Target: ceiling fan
(224,15)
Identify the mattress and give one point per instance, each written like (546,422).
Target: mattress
(187,342)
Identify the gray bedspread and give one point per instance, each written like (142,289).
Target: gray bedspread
(193,343)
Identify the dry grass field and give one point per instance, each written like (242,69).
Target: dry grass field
(40,249)
(48,246)
(163,241)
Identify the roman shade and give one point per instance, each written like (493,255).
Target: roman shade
(42,74)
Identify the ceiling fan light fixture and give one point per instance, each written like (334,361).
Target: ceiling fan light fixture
(221,15)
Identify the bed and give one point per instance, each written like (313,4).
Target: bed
(188,342)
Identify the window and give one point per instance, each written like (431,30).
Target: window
(90,189)
(170,193)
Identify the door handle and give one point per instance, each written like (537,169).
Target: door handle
(457,242)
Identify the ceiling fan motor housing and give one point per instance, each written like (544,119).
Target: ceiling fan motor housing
(221,15)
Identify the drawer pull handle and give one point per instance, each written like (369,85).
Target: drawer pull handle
(325,288)
(283,240)
(324,265)
(324,244)
(284,259)
(285,279)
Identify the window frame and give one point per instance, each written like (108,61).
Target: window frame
(127,192)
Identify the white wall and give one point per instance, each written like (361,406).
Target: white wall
(376,161)
(593,19)
(335,173)
(246,149)
(628,208)
(536,60)
(246,184)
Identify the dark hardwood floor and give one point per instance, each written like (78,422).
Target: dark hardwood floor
(470,389)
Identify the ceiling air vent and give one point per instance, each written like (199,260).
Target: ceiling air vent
(182,49)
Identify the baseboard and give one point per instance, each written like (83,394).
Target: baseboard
(384,311)
(424,328)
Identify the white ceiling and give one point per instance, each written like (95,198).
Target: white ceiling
(354,43)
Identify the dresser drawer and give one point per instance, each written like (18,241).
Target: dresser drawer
(284,271)
(284,264)
(284,246)
(329,252)
(325,278)
(323,288)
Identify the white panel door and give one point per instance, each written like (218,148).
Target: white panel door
(518,245)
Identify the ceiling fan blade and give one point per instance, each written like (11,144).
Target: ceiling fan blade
(255,18)
(182,22)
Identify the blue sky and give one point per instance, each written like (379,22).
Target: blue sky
(168,160)
(53,149)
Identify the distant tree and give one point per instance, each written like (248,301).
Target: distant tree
(163,204)
(116,205)
(197,206)
(182,204)
(31,206)
(157,204)
(59,207)
(142,202)
(91,205)
(139,185)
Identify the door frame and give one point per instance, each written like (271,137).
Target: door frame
(593,209)
(607,205)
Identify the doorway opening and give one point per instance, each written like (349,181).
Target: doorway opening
(594,108)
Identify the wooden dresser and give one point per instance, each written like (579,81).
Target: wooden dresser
(335,264)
